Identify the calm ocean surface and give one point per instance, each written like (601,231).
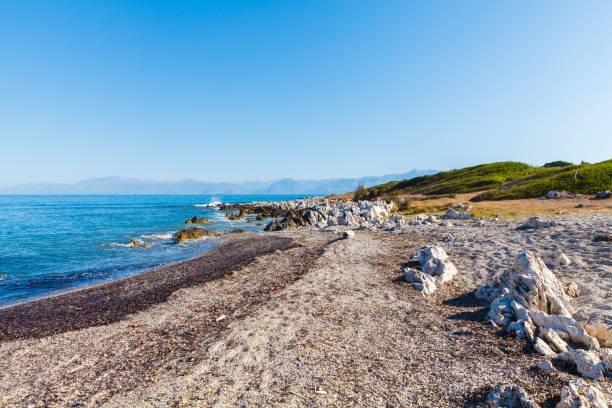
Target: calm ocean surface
(50,244)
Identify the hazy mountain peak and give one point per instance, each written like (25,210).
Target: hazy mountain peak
(124,185)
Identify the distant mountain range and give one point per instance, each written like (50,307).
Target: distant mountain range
(121,185)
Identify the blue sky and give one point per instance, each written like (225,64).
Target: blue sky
(243,90)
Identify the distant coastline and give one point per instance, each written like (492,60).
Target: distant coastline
(132,186)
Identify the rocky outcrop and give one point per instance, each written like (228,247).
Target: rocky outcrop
(197,220)
(536,222)
(136,243)
(193,233)
(529,301)
(232,216)
(510,396)
(436,268)
(579,394)
(458,212)
(603,195)
(321,213)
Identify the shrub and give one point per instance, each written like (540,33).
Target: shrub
(558,163)
(361,193)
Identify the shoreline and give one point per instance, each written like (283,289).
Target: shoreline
(108,302)
(104,282)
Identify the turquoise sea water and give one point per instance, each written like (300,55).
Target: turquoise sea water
(50,244)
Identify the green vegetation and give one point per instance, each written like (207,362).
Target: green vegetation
(504,181)
(558,163)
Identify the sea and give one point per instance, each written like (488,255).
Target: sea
(55,243)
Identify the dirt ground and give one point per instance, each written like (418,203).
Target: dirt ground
(505,208)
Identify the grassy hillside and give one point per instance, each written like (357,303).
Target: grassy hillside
(504,180)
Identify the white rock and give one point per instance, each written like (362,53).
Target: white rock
(420,280)
(606,358)
(541,347)
(572,290)
(565,327)
(553,339)
(529,296)
(348,234)
(532,284)
(453,214)
(579,394)
(588,364)
(536,222)
(448,237)
(556,194)
(556,259)
(436,269)
(435,262)
(546,365)
(510,396)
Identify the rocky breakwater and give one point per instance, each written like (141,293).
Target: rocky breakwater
(320,213)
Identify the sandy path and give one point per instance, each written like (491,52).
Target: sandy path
(350,334)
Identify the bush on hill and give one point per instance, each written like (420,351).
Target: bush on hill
(558,163)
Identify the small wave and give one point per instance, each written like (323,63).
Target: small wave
(212,204)
(128,245)
(119,244)
(167,235)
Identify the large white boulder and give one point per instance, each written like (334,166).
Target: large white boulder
(436,269)
(531,302)
(579,394)
(531,284)
(436,263)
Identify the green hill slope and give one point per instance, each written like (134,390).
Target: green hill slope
(504,180)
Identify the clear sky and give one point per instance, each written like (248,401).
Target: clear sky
(244,90)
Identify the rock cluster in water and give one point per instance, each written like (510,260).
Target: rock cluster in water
(193,233)
(197,220)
